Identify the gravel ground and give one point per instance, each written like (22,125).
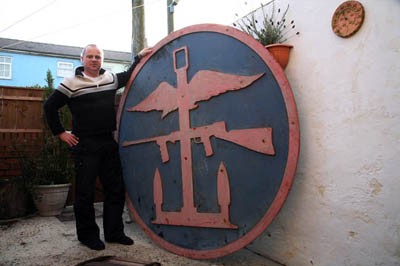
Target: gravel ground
(52,241)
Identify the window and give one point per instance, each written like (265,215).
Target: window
(5,67)
(65,69)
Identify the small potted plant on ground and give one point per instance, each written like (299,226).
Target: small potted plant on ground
(48,171)
(271,29)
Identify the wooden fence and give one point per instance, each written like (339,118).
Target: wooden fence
(21,126)
(20,130)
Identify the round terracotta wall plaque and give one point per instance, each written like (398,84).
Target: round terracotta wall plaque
(348,18)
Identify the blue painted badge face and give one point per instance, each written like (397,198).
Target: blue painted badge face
(209,141)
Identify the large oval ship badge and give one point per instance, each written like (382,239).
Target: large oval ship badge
(209,141)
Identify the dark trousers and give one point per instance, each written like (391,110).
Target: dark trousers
(98,157)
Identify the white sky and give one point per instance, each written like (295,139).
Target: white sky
(108,22)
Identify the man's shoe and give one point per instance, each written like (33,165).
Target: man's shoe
(123,240)
(95,244)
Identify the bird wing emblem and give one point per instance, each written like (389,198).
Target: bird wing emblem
(163,98)
(204,85)
(207,84)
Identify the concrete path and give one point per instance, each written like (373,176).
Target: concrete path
(52,241)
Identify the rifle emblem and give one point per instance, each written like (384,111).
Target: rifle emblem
(204,85)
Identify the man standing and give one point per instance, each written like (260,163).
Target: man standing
(90,95)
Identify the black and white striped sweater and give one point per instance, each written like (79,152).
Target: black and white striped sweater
(91,102)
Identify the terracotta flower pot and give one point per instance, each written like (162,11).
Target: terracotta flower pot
(280,52)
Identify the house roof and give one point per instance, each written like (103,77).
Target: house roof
(20,46)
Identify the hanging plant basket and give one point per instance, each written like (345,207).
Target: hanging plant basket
(280,52)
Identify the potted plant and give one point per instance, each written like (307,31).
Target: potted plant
(272,30)
(48,171)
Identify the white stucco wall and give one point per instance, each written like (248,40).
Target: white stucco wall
(344,206)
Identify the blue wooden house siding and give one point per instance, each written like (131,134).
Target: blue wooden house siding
(30,70)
